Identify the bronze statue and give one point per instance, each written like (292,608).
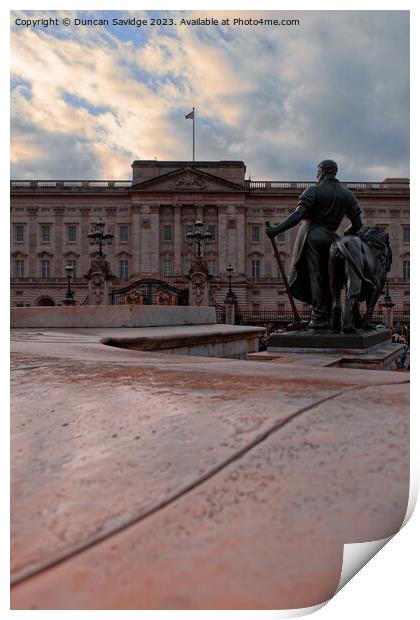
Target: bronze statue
(359,264)
(321,208)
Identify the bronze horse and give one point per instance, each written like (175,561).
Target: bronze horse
(360,264)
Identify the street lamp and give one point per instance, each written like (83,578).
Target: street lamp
(231,295)
(69,296)
(98,237)
(387,296)
(230,270)
(198,237)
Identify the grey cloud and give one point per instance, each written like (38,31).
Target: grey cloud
(63,156)
(337,86)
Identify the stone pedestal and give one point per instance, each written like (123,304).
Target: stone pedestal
(388,314)
(198,289)
(327,341)
(230,308)
(99,278)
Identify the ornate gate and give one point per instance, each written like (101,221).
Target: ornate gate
(150,290)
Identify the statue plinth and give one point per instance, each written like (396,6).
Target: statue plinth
(198,289)
(230,308)
(99,279)
(327,340)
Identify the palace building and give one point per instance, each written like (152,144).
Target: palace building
(151,215)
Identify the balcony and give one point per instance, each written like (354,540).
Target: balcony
(302,185)
(16,185)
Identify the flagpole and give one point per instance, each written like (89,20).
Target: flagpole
(193,134)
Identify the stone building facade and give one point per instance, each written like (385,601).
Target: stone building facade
(150,216)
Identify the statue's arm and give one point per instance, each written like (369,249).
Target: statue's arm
(354,214)
(305,201)
(290,221)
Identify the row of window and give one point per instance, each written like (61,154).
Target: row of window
(167,268)
(123,232)
(45,232)
(256,270)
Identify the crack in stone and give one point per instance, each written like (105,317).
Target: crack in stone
(35,569)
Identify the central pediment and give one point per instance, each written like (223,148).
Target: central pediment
(188,180)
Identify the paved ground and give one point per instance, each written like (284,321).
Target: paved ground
(153,481)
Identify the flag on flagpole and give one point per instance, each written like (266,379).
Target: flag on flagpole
(192,117)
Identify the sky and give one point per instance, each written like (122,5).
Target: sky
(88,100)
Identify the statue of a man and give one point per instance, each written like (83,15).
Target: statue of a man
(321,209)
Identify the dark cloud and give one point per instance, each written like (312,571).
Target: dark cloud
(63,156)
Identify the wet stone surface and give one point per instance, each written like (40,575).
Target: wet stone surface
(141,480)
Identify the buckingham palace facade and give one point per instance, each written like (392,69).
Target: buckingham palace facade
(151,215)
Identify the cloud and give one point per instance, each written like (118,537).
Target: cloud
(279,98)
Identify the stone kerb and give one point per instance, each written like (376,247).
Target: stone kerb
(111,316)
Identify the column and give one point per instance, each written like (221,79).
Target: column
(85,248)
(33,269)
(135,243)
(58,232)
(222,246)
(240,239)
(154,232)
(177,242)
(110,251)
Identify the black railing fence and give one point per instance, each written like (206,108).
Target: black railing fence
(284,317)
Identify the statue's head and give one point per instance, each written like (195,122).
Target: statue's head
(326,168)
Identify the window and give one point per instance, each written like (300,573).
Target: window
(45,232)
(255,233)
(211,228)
(167,267)
(406,270)
(123,233)
(255,269)
(381,211)
(19,233)
(406,234)
(124,269)
(255,308)
(73,263)
(71,232)
(189,228)
(280,307)
(167,232)
(20,268)
(211,267)
(45,269)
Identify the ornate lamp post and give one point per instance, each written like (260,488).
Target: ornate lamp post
(98,237)
(198,289)
(230,270)
(388,305)
(198,237)
(230,299)
(100,274)
(69,296)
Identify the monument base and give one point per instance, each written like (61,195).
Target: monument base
(327,341)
